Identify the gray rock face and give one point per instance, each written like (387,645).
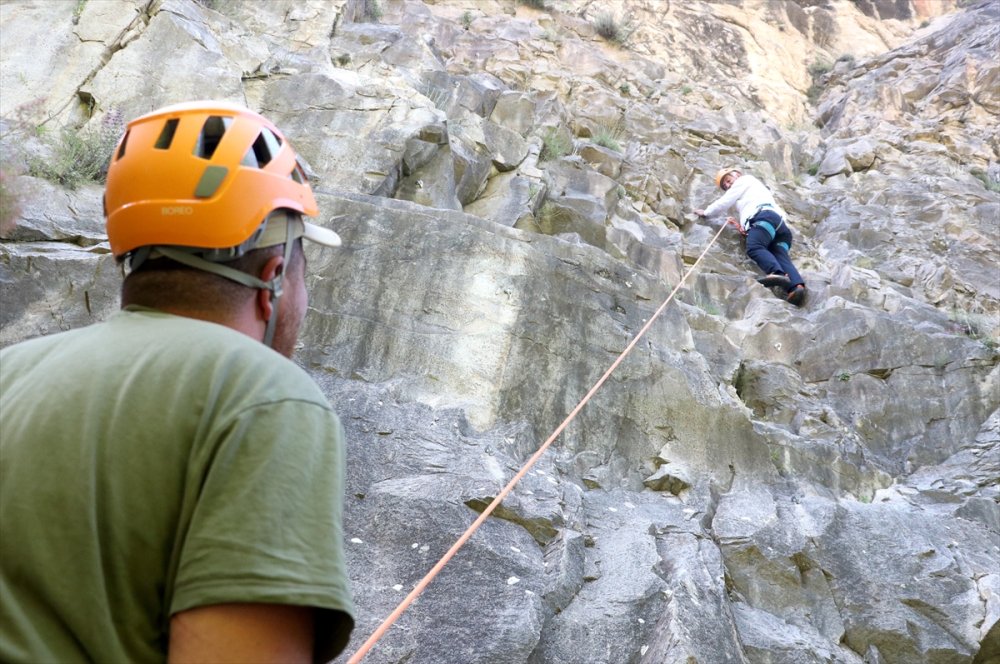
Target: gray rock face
(755,483)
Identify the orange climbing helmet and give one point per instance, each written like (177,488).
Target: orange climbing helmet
(723,172)
(202,175)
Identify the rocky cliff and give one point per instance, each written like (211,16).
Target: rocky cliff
(514,184)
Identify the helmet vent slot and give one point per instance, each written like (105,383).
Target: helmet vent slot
(263,150)
(211,135)
(166,136)
(297,174)
(121,148)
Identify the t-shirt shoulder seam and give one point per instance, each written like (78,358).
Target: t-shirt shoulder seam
(323,405)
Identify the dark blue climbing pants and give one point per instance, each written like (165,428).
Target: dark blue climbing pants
(768,242)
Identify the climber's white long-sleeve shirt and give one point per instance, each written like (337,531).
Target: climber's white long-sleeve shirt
(747,193)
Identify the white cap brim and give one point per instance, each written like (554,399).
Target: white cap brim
(280,222)
(321,235)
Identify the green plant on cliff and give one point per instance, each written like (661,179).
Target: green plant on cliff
(371,11)
(551,218)
(555,144)
(77,157)
(552,35)
(976,323)
(10,200)
(78,10)
(609,134)
(707,305)
(614,30)
(865,263)
(818,69)
(988,182)
(535,4)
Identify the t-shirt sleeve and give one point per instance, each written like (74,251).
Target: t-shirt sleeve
(267,524)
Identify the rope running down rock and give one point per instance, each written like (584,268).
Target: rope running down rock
(398,611)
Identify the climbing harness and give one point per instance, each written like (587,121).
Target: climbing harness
(766,224)
(398,611)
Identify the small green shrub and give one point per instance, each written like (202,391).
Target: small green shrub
(10,200)
(371,11)
(818,68)
(686,89)
(79,157)
(613,30)
(609,134)
(977,324)
(813,170)
(466,19)
(535,4)
(707,305)
(551,218)
(865,263)
(552,35)
(844,377)
(625,89)
(988,182)
(636,193)
(555,144)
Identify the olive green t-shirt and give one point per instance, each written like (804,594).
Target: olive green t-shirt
(151,464)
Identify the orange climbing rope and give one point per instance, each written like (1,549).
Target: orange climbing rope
(419,588)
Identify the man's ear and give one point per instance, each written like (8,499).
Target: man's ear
(273,269)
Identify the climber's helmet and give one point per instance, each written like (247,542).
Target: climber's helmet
(203,183)
(724,183)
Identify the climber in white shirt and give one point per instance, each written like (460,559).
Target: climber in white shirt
(762,221)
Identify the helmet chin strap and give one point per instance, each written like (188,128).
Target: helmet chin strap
(277,291)
(191,258)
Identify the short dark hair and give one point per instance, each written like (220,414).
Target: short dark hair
(164,283)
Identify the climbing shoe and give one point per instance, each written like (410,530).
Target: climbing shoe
(797,295)
(773,280)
